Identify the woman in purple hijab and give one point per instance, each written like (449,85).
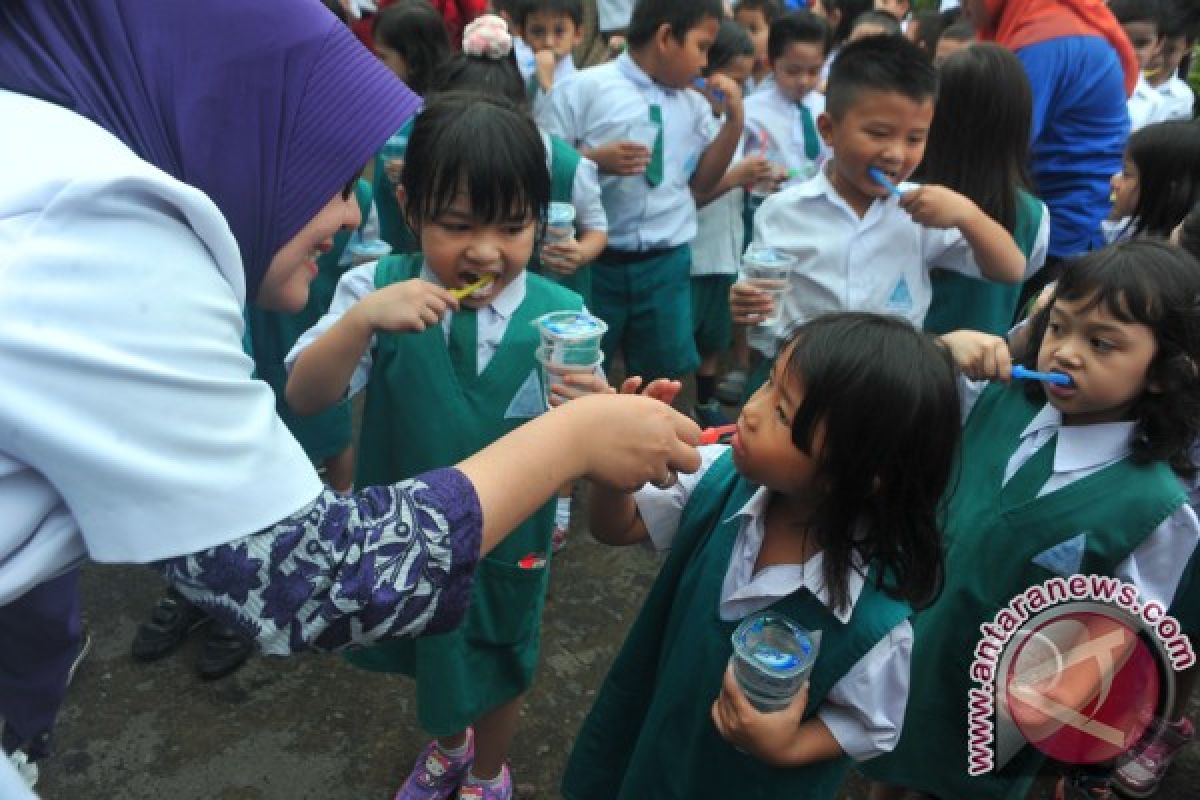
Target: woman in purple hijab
(164,163)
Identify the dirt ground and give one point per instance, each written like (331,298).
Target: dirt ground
(315,727)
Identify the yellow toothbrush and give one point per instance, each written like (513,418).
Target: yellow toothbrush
(482,283)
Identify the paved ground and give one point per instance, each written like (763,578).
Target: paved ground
(313,727)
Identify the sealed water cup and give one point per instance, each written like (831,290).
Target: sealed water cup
(364,251)
(571,337)
(554,370)
(772,659)
(767,270)
(560,222)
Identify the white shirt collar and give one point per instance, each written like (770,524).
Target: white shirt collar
(1175,88)
(503,305)
(1082,446)
(819,185)
(788,578)
(629,68)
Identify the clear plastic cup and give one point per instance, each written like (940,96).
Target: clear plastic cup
(365,251)
(644,133)
(554,369)
(767,270)
(560,222)
(772,658)
(571,337)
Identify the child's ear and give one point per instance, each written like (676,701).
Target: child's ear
(663,36)
(825,128)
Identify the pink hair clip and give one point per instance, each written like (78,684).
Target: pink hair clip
(487,37)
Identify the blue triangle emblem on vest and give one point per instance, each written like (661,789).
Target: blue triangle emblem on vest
(529,401)
(1065,558)
(901,299)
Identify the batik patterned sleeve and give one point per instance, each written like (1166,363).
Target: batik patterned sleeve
(387,562)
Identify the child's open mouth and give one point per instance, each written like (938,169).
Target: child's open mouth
(474,284)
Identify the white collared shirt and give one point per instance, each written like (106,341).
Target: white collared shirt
(865,709)
(878,263)
(585,191)
(527,64)
(1156,565)
(770,113)
(602,104)
(359,282)
(1145,105)
(1177,98)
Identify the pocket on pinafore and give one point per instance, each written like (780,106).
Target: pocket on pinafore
(506,602)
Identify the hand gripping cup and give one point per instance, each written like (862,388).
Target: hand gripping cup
(560,223)
(767,270)
(772,658)
(555,372)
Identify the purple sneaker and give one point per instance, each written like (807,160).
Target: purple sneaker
(436,775)
(481,791)
(1140,776)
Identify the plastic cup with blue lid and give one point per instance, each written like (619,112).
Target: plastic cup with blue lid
(570,337)
(560,222)
(772,658)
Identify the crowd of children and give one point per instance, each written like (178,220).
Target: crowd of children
(882,453)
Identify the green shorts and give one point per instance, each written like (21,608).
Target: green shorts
(646,302)
(711,320)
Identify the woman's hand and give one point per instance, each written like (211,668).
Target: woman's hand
(411,306)
(749,305)
(766,736)
(980,356)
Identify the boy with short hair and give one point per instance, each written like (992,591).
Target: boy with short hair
(955,37)
(653,139)
(861,245)
(757,17)
(781,118)
(548,31)
(1142,21)
(1176,99)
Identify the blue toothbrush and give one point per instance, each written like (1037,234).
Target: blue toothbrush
(877,175)
(1057,378)
(702,84)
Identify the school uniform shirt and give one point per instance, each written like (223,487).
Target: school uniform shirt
(85,359)
(878,263)
(1145,105)
(527,64)
(1177,99)
(720,232)
(769,112)
(865,709)
(600,105)
(585,192)
(1157,564)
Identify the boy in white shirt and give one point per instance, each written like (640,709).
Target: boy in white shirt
(550,30)
(757,17)
(862,246)
(651,136)
(1142,22)
(1176,99)
(781,118)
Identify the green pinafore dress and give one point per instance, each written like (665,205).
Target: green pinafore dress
(994,537)
(392,227)
(273,334)
(650,734)
(564,160)
(428,407)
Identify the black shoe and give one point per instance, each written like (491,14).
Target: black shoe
(223,652)
(170,622)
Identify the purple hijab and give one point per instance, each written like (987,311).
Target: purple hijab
(268,106)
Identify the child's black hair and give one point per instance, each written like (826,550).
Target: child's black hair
(1147,282)
(799,26)
(979,140)
(1167,157)
(479,144)
(1127,11)
(847,11)
(929,28)
(416,31)
(680,15)
(771,9)
(732,42)
(1189,232)
(961,31)
(880,19)
(881,475)
(573,9)
(883,64)
(497,77)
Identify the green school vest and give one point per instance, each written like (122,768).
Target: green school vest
(962,302)
(421,415)
(392,227)
(992,537)
(564,160)
(273,334)
(649,734)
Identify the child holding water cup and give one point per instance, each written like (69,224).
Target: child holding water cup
(444,343)
(821,511)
